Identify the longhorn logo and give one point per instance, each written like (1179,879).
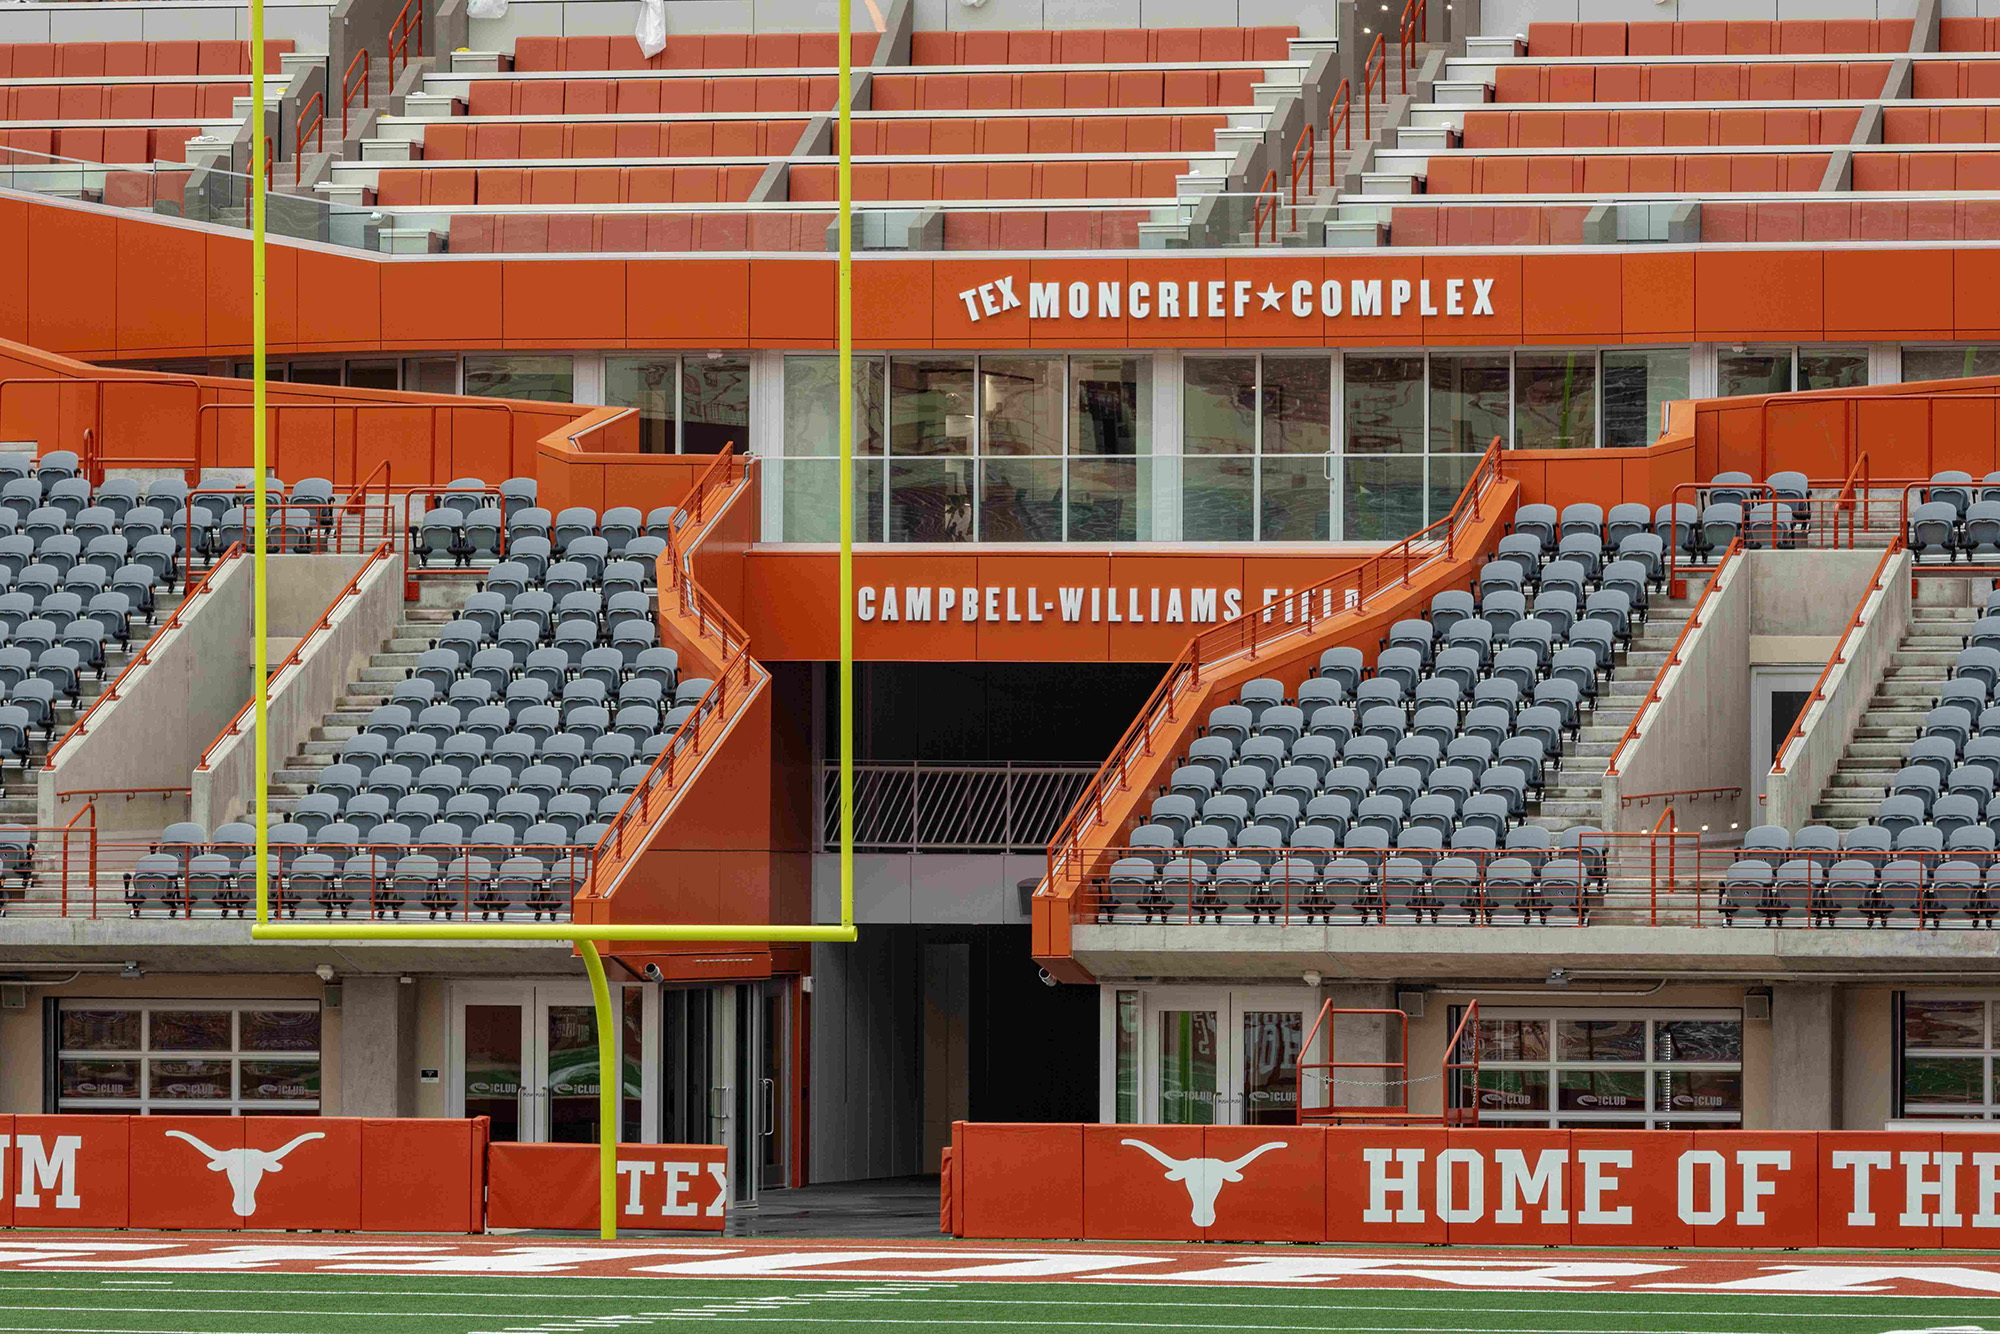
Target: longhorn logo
(245,1167)
(1203,1177)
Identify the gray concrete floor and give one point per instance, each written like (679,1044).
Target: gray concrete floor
(895,1207)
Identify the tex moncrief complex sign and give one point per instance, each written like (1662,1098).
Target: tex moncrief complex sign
(1217,298)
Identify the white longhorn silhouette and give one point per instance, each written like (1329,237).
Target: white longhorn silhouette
(1203,1177)
(245,1167)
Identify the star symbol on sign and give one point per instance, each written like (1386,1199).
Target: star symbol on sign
(1269,296)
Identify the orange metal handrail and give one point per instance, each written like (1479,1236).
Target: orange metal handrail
(1410,31)
(1374,74)
(1734,550)
(1306,146)
(1339,119)
(1267,192)
(1470,1112)
(348,87)
(1401,1066)
(381,553)
(1349,590)
(142,657)
(407,28)
(1839,658)
(91,457)
(89,809)
(353,443)
(315,108)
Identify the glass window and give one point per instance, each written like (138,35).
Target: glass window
(1555,400)
(431,375)
(930,406)
(1382,474)
(541,379)
(1468,403)
(812,432)
(1021,435)
(1608,1070)
(213,1058)
(1833,367)
(1294,497)
(1110,439)
(1637,386)
(1754,371)
(1950,1058)
(1125,1091)
(1950,363)
(1272,1040)
(1189,1069)
(715,404)
(1218,440)
(648,384)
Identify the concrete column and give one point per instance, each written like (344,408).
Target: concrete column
(378,1047)
(1805,1056)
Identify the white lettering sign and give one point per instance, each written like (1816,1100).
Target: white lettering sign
(1144,302)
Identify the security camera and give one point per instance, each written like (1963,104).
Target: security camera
(324,972)
(1047,980)
(653,973)
(1311,978)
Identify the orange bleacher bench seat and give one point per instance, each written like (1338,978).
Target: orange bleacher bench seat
(1079,88)
(1659,129)
(1955,78)
(1786,37)
(1927,171)
(1940,125)
(136,101)
(1039,134)
(1100,46)
(462,187)
(1648,173)
(649,97)
(998,180)
(1775,81)
(123,144)
(71,60)
(1526,224)
(456,140)
(810,50)
(1968,34)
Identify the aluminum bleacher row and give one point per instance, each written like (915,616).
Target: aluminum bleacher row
(1403,788)
(126,103)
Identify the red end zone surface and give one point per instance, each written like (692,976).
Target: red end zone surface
(1375,1267)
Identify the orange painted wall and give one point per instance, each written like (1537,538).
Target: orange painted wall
(109,285)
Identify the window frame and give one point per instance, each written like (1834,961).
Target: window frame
(1555,1117)
(1988,1055)
(145,1104)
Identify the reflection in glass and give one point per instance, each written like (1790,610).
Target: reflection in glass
(812,511)
(1110,500)
(647,384)
(1698,1040)
(1272,1040)
(189,1030)
(1950,363)
(1189,1064)
(1833,367)
(1108,405)
(573,1074)
(1297,405)
(100,1030)
(280,1081)
(930,406)
(98,1079)
(1555,400)
(1218,399)
(812,430)
(193,1079)
(542,379)
(1698,1090)
(1601,1040)
(1020,500)
(1943,1079)
(1758,372)
(1514,1090)
(1126,1090)
(1601,1090)
(632,1066)
(1382,499)
(715,404)
(930,500)
(1448,475)
(1468,403)
(1948,1024)
(1021,398)
(1384,410)
(1513,1040)
(1636,386)
(1216,499)
(493,1067)
(1294,500)
(278,1030)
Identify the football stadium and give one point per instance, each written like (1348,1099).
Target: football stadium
(964,663)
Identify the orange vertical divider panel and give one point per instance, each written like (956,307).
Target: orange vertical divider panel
(1275,1185)
(1380,1185)
(1622,1187)
(661,1187)
(1872,1189)
(1977,1197)
(416,1176)
(1022,1181)
(1751,1188)
(71,1171)
(191,1172)
(313,1174)
(1508,1187)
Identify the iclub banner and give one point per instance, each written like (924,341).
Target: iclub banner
(1479,1186)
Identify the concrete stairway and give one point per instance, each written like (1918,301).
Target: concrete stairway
(440,600)
(1572,795)
(1940,619)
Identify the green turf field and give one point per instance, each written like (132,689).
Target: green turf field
(371,1304)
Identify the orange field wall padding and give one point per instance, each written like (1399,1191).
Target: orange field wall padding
(661,1187)
(1793,1189)
(228,1172)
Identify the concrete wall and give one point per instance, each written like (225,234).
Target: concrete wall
(599,18)
(303,694)
(938,888)
(379,1077)
(867,1094)
(1829,722)
(304,21)
(1868,1033)
(152,734)
(1694,736)
(1504,16)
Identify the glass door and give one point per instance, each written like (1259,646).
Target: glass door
(525,1055)
(568,1077)
(774,1045)
(1212,1057)
(489,1065)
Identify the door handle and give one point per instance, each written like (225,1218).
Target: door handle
(770,1126)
